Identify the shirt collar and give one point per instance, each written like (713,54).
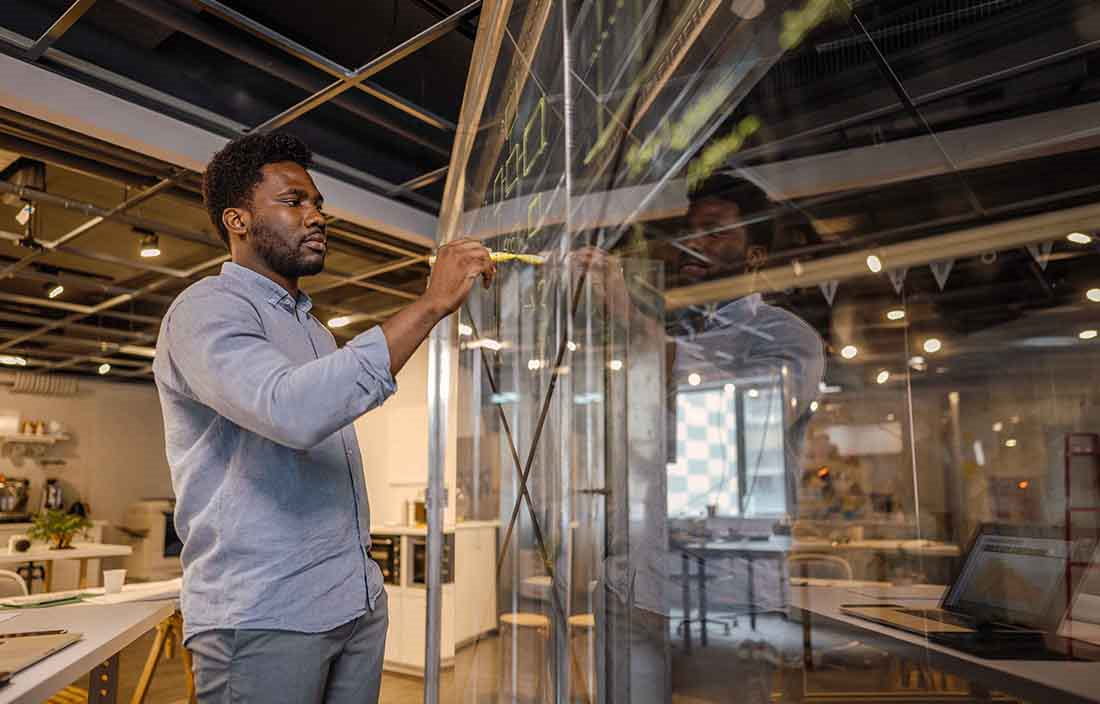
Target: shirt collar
(273,293)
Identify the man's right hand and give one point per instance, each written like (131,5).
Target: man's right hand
(457,265)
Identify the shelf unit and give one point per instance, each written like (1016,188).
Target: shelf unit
(1078,445)
(27,439)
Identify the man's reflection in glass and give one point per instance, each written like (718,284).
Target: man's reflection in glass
(744,339)
(765,365)
(737,342)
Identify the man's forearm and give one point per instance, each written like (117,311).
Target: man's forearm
(406,329)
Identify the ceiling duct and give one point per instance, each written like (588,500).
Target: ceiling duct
(44,384)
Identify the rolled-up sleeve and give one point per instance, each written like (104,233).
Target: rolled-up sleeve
(219,354)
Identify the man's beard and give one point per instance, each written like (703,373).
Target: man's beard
(284,259)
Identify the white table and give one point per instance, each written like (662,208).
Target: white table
(107,630)
(79,551)
(1033,680)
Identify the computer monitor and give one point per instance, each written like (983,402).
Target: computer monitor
(1012,575)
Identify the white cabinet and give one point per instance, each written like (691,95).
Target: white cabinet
(469,604)
(475,581)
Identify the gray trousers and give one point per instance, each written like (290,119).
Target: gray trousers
(341,666)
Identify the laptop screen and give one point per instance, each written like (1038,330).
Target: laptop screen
(1013,579)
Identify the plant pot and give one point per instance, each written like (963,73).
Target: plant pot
(61,542)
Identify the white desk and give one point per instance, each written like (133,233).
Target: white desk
(106,629)
(1033,680)
(79,551)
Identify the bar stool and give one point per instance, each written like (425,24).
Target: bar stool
(582,642)
(524,639)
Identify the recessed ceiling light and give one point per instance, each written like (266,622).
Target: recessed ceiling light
(729,388)
(1011,442)
(339,321)
(1087,334)
(883,377)
(849,351)
(998,427)
(615,365)
(104,368)
(874,263)
(1093,294)
(895,314)
(1078,238)
(694,379)
(932,345)
(54,289)
(753,393)
(813,406)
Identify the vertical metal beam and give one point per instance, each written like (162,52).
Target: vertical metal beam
(367,70)
(55,32)
(440,355)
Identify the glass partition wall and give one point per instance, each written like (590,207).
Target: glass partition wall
(801,322)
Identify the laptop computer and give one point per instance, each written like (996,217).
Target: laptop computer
(1005,603)
(19,651)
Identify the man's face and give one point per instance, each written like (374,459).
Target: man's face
(717,239)
(288,227)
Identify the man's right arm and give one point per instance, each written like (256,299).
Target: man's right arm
(458,266)
(215,350)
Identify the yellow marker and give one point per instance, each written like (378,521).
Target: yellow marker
(498,257)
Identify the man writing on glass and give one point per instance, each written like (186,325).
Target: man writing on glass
(281,601)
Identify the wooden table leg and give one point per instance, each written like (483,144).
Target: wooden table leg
(189,674)
(49,575)
(163,632)
(82,583)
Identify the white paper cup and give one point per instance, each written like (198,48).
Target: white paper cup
(112,581)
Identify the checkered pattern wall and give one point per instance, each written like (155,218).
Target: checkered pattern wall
(705,471)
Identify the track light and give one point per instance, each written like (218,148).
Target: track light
(150,244)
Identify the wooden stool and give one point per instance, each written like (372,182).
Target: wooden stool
(523,665)
(582,642)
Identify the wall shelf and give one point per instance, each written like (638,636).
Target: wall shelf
(25,439)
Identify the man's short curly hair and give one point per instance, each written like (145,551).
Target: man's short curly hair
(235,171)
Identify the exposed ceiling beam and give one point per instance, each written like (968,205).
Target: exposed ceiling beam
(53,98)
(108,304)
(368,69)
(1010,234)
(368,274)
(58,29)
(313,58)
(421,181)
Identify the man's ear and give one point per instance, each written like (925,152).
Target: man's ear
(237,221)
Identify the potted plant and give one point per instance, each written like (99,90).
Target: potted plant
(58,528)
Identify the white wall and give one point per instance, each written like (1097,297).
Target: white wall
(394,443)
(116,454)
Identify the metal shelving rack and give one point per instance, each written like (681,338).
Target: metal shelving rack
(1078,445)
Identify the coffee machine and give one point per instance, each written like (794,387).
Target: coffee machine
(13,499)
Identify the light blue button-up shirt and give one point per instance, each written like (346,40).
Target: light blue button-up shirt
(270,499)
